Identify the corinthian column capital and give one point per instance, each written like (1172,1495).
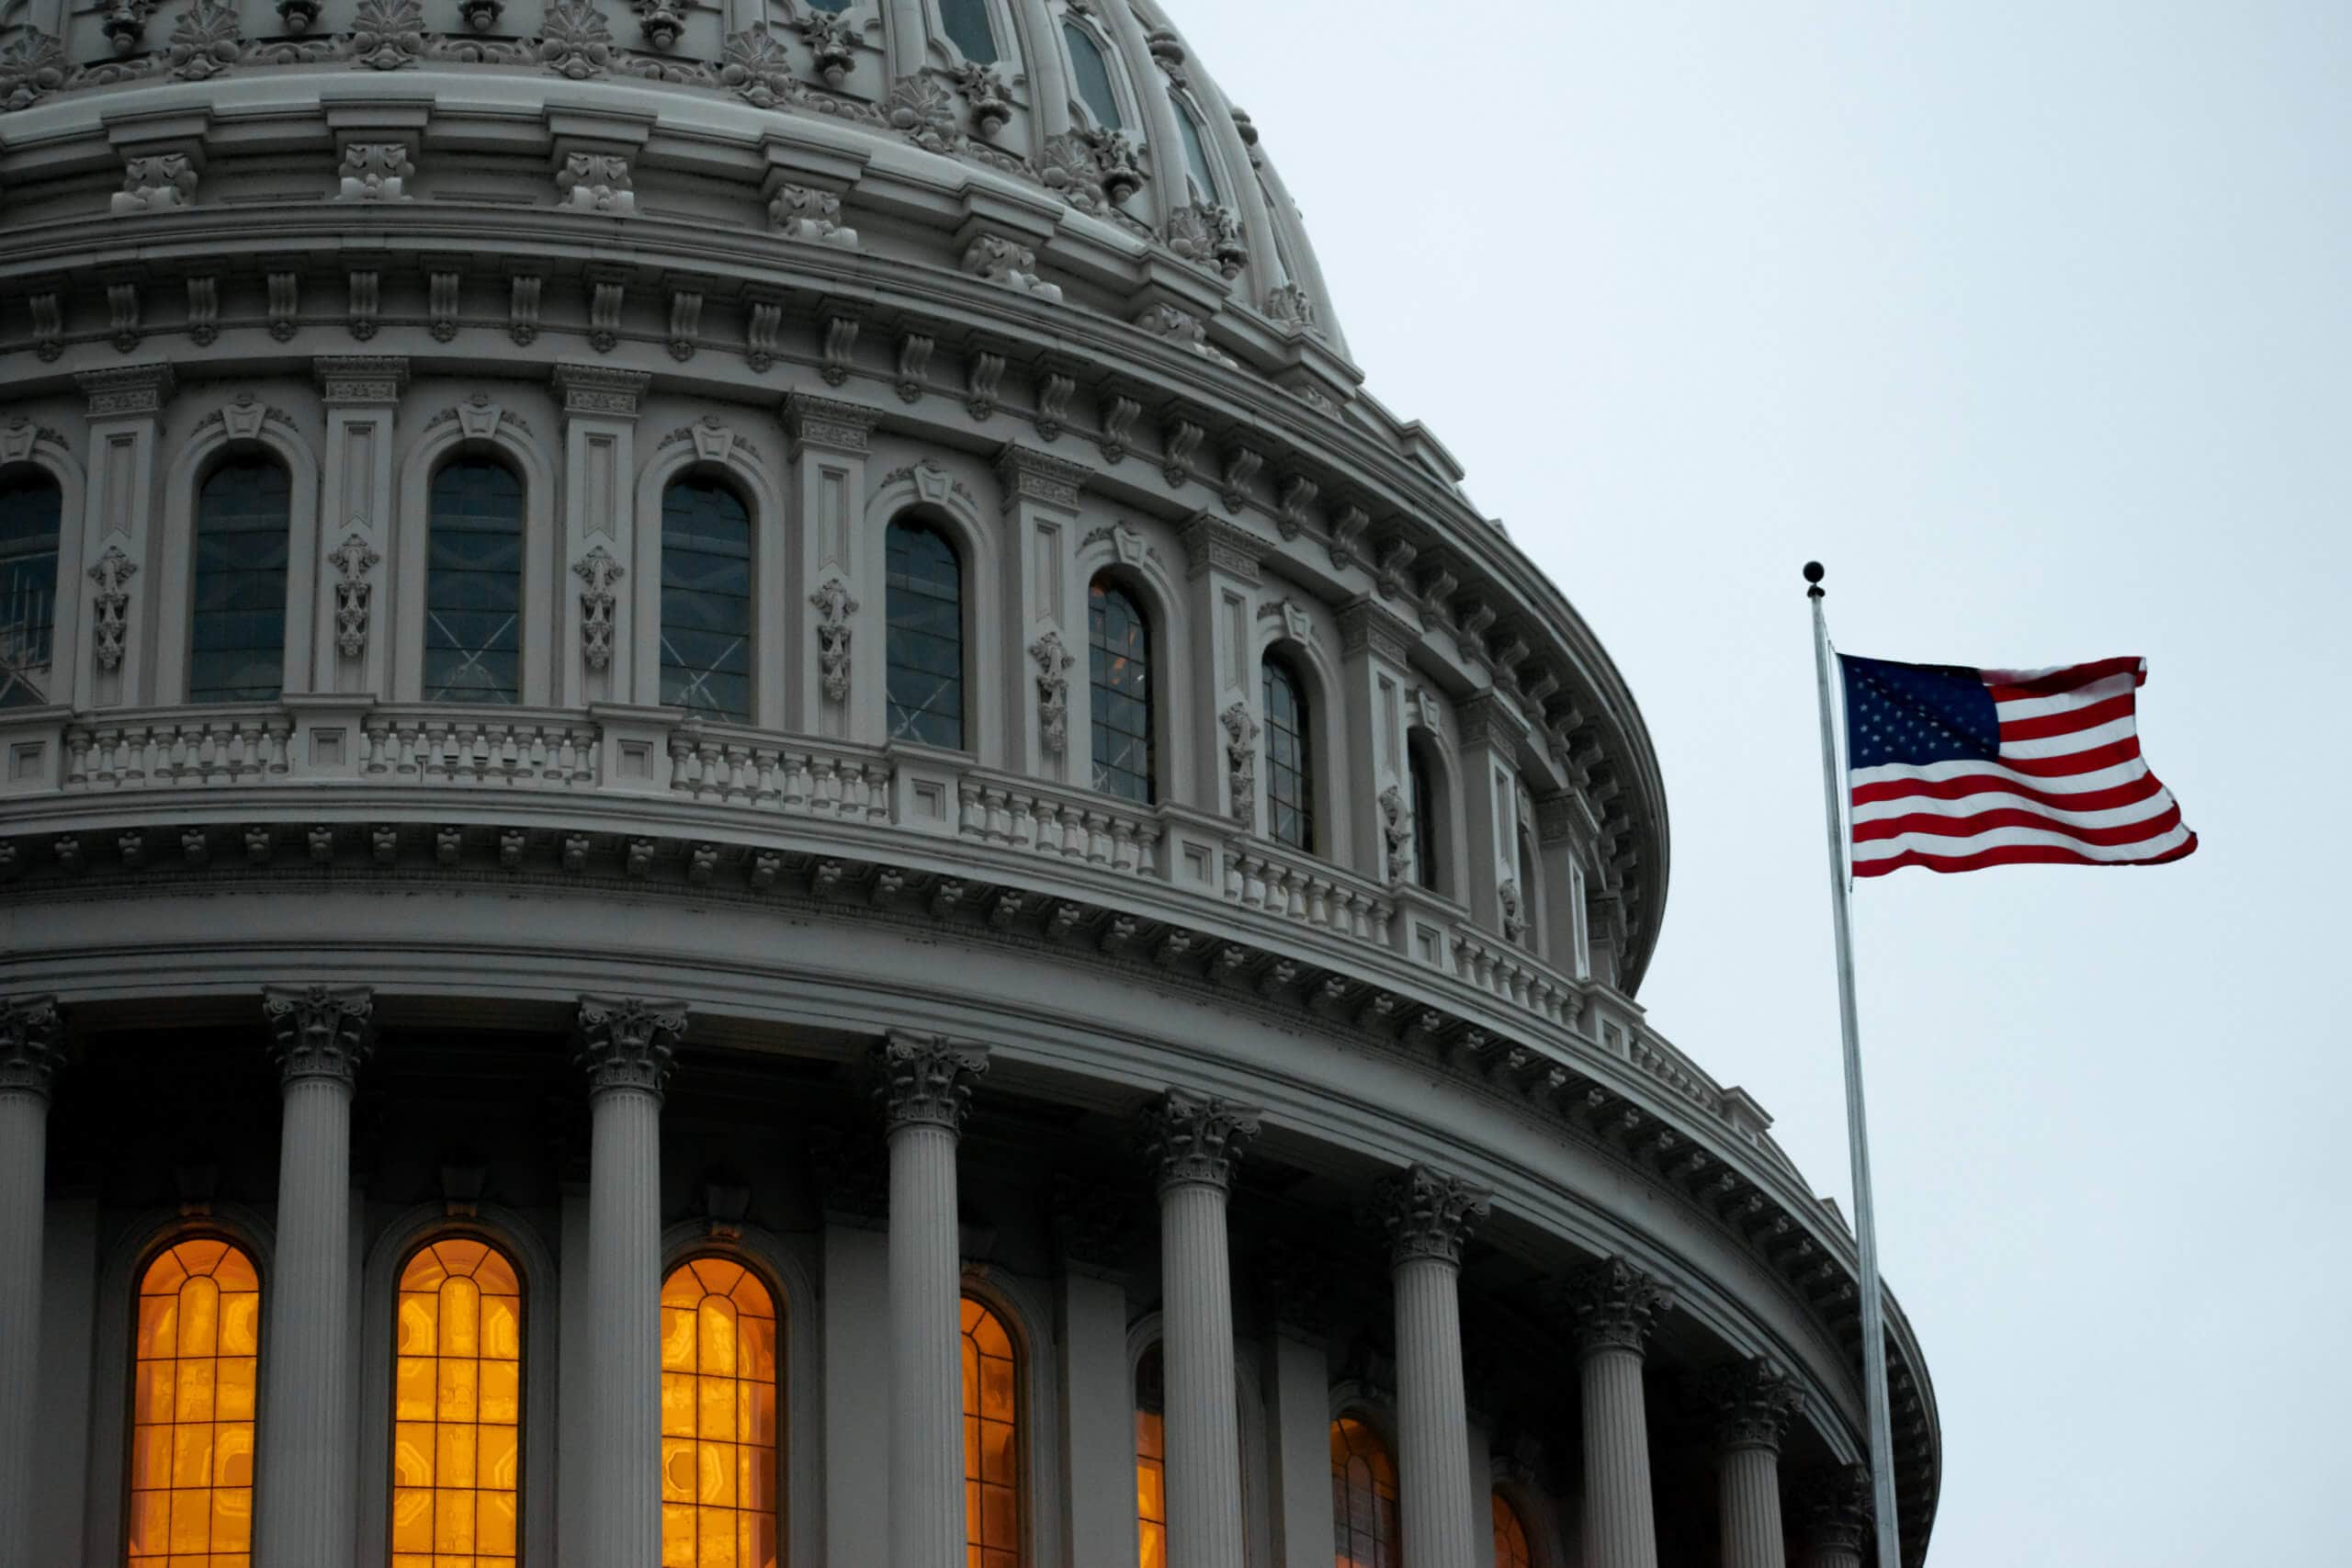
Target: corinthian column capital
(1192,1138)
(1833,1508)
(1752,1402)
(32,1044)
(926,1079)
(319,1031)
(1611,1305)
(1428,1213)
(628,1042)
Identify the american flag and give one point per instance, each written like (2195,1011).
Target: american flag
(1956,769)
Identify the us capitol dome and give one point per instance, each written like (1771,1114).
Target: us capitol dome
(748,816)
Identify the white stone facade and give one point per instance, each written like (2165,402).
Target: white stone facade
(834,267)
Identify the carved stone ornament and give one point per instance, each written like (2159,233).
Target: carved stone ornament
(1611,1305)
(31,67)
(205,41)
(984,90)
(319,1031)
(375,171)
(1242,762)
(32,1044)
(1752,1402)
(1514,909)
(575,40)
(1428,1214)
(832,43)
(1209,236)
(598,571)
(925,1080)
(1115,162)
(1196,1138)
(628,1043)
(804,213)
(755,64)
(1182,328)
(597,182)
(112,573)
(662,22)
(1291,306)
(995,259)
(1052,692)
(920,107)
(835,607)
(389,34)
(125,24)
(351,560)
(1832,1509)
(156,182)
(1396,830)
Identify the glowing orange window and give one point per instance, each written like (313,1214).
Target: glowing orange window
(1511,1536)
(1363,1496)
(718,1424)
(458,1408)
(198,1348)
(992,1445)
(1151,1463)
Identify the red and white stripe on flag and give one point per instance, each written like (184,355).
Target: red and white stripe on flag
(1957,770)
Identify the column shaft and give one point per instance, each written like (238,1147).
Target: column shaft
(625,1328)
(1751,1508)
(309,1458)
(1433,1455)
(24,1154)
(926,1351)
(1196,1340)
(1619,1531)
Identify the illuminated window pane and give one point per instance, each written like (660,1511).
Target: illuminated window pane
(30,506)
(1363,1496)
(1119,650)
(719,1457)
(1151,1463)
(1511,1536)
(195,1349)
(237,624)
(991,1442)
(1290,761)
(706,600)
(473,584)
(456,1407)
(924,647)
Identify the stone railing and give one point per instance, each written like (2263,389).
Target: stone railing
(1258,876)
(217,746)
(1517,976)
(1089,829)
(737,766)
(499,747)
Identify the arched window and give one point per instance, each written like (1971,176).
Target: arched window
(1092,73)
(1290,760)
(1422,777)
(457,1407)
(1196,154)
(718,1417)
(1151,1461)
(473,584)
(1511,1536)
(991,1442)
(967,22)
(1119,652)
(924,651)
(196,1352)
(237,624)
(1363,1496)
(706,599)
(30,505)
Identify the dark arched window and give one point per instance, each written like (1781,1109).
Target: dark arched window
(1196,152)
(1119,650)
(924,651)
(473,584)
(706,599)
(967,22)
(1423,778)
(1290,757)
(30,505)
(237,622)
(1363,1496)
(1092,73)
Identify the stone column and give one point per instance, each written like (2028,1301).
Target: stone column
(1377,838)
(1612,1306)
(31,1045)
(836,597)
(596,650)
(1222,583)
(1834,1517)
(303,1486)
(351,646)
(1428,1214)
(1046,615)
(926,1086)
(113,663)
(625,1047)
(1195,1142)
(1753,1401)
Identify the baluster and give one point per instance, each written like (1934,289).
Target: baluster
(281,737)
(1122,844)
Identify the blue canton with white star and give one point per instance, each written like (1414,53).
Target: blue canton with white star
(1916,713)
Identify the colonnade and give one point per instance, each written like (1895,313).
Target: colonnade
(307,1468)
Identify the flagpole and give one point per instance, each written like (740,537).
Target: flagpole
(1857,1128)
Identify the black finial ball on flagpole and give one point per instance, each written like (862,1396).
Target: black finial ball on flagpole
(1813,574)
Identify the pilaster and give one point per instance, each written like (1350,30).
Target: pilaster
(113,665)
(1489,732)
(829,586)
(592,655)
(1047,605)
(1559,821)
(1222,585)
(350,648)
(32,1043)
(1373,652)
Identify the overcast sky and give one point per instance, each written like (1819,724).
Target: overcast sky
(2034,322)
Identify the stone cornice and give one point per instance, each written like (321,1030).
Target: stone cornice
(827,424)
(1212,544)
(366,380)
(600,389)
(128,391)
(1028,475)
(1367,624)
